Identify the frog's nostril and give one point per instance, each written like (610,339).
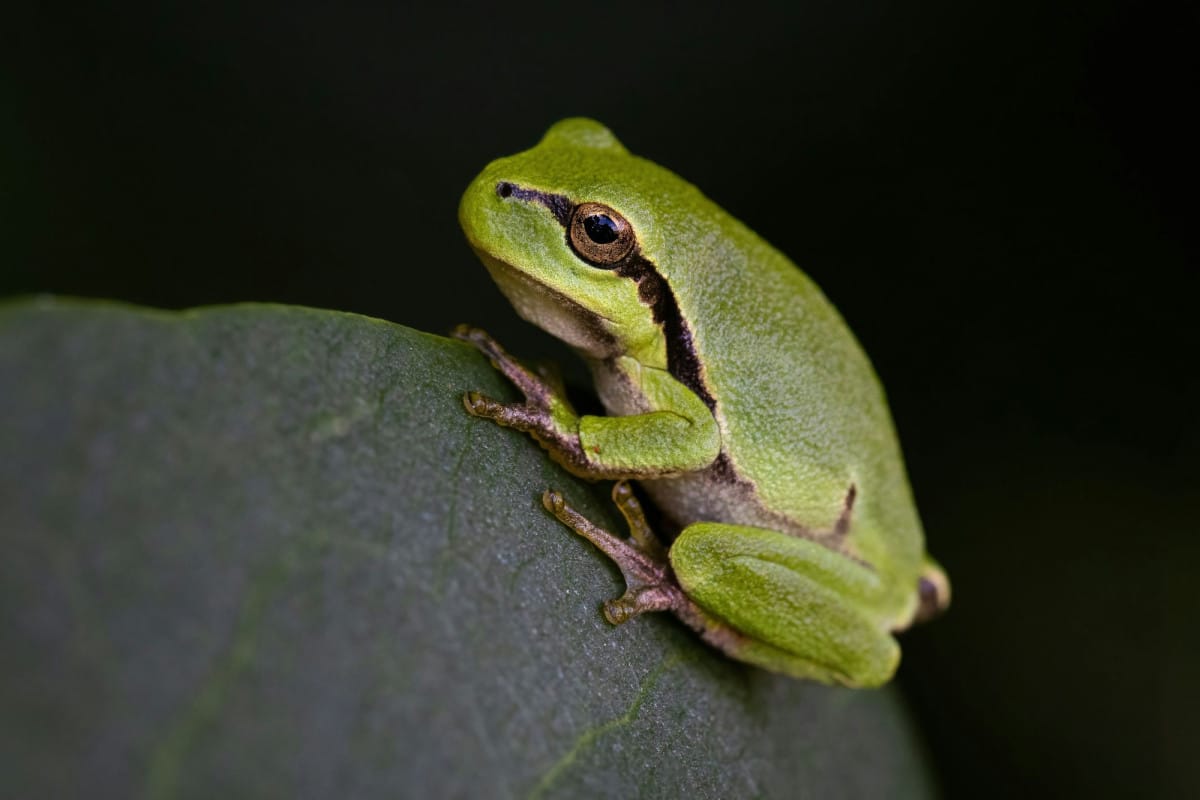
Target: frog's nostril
(504,189)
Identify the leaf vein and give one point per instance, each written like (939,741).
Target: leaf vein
(591,735)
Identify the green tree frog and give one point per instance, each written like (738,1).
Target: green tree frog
(736,397)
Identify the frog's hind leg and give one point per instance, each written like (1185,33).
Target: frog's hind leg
(650,581)
(649,584)
(933,592)
(842,526)
(805,609)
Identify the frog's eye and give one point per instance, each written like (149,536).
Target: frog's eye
(600,235)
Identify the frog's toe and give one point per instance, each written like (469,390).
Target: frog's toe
(640,600)
(480,405)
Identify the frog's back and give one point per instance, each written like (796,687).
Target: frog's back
(805,426)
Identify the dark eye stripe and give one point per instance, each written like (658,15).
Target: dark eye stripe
(682,360)
(560,205)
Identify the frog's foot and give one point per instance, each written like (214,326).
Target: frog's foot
(538,391)
(650,584)
(546,414)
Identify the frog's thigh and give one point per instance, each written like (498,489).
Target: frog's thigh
(803,607)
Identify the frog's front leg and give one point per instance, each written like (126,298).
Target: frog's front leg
(678,435)
(546,414)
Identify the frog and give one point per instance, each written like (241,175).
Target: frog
(737,400)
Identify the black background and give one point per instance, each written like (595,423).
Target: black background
(999,197)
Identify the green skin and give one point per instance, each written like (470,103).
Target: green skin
(737,398)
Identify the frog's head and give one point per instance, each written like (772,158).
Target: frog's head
(568,230)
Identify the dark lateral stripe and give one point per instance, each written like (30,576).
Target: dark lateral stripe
(653,290)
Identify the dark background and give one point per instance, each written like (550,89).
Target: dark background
(1000,198)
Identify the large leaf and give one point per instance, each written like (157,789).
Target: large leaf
(262,551)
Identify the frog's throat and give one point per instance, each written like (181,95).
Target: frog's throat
(553,311)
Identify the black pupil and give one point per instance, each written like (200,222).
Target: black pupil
(601,229)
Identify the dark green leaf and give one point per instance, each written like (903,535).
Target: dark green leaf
(263,551)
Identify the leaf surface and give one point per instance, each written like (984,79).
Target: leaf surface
(262,551)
